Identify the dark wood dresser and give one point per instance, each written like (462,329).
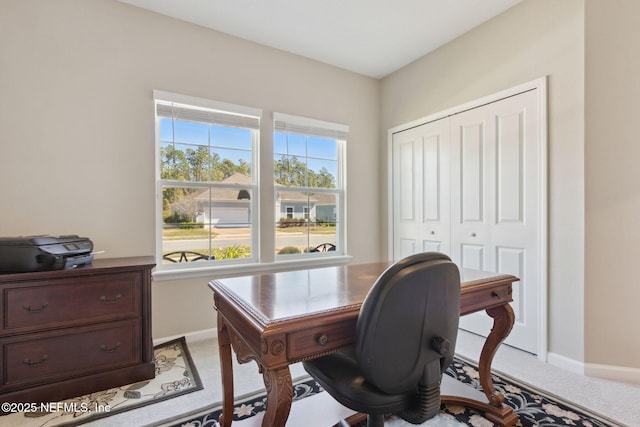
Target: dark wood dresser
(66,333)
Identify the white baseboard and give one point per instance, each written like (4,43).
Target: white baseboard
(607,372)
(614,373)
(190,336)
(565,363)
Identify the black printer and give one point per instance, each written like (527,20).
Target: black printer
(41,253)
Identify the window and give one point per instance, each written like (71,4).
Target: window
(207,181)
(209,191)
(309,185)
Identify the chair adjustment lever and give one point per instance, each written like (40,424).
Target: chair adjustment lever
(441,345)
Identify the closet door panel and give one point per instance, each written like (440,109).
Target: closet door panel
(471,159)
(516,233)
(470,189)
(472,256)
(512,261)
(407,247)
(432,185)
(510,177)
(420,182)
(431,246)
(407,194)
(509,168)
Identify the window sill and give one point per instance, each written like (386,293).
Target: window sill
(248,269)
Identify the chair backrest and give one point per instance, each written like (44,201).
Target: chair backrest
(415,301)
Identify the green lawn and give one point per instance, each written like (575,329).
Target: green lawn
(318,229)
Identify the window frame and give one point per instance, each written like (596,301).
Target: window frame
(161,97)
(263,231)
(317,128)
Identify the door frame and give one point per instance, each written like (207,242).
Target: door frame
(540,85)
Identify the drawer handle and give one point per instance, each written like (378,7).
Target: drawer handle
(323,340)
(110,350)
(28,308)
(112,301)
(496,295)
(31,364)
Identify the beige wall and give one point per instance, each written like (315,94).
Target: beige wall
(77,126)
(77,137)
(612,148)
(536,38)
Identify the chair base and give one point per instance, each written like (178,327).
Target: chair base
(502,416)
(357,419)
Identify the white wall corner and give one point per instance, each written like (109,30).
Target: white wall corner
(566,363)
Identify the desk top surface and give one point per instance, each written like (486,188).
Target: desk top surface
(290,294)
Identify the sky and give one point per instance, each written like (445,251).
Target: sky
(236,143)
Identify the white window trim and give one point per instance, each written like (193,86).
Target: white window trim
(215,272)
(305,125)
(206,103)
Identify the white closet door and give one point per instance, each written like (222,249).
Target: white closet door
(471,189)
(495,205)
(420,189)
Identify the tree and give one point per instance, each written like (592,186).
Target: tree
(199,163)
(173,163)
(325,179)
(292,172)
(185,208)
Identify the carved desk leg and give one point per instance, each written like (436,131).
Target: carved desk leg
(226,365)
(503,320)
(279,396)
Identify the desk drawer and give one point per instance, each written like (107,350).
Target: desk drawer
(483,298)
(321,339)
(67,354)
(31,306)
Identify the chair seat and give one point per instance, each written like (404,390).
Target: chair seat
(340,376)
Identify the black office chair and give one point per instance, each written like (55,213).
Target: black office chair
(405,338)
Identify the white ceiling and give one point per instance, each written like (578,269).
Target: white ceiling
(369,37)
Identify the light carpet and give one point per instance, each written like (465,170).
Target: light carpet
(533,406)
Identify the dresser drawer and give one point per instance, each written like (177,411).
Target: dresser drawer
(30,306)
(325,338)
(28,360)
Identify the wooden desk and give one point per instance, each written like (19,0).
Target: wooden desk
(282,318)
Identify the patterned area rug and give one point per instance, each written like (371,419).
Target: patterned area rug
(175,375)
(534,407)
